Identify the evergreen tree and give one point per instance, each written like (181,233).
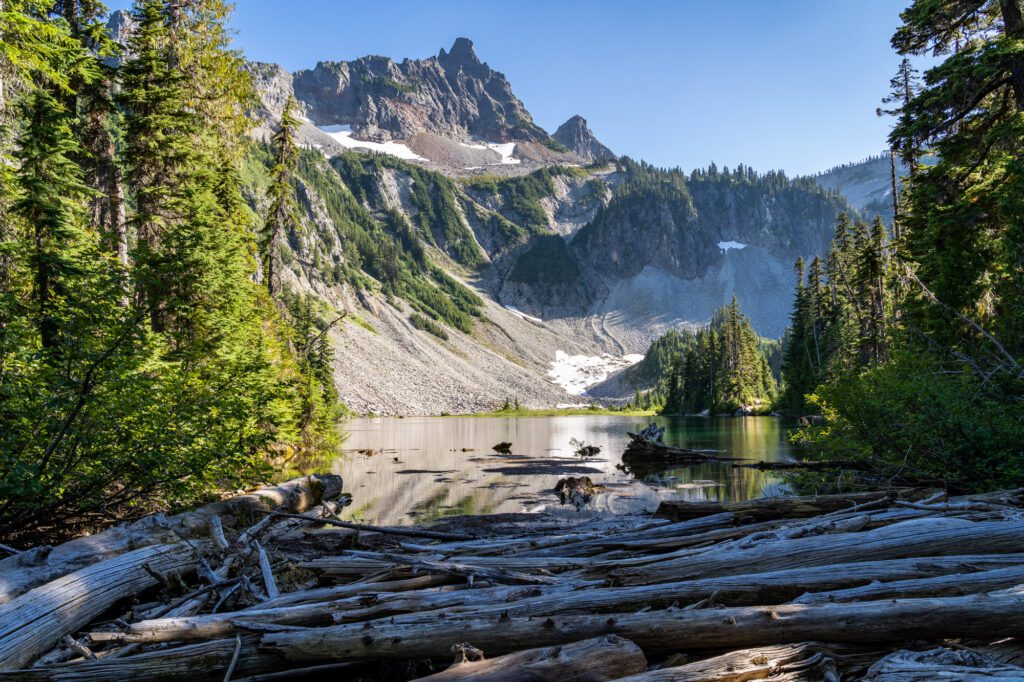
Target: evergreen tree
(282,217)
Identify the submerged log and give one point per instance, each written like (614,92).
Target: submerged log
(806,466)
(663,632)
(35,622)
(773,508)
(20,573)
(603,658)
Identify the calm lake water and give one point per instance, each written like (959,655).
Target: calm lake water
(426,468)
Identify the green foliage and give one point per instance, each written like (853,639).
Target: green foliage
(925,379)
(521,195)
(913,418)
(723,370)
(428,325)
(141,380)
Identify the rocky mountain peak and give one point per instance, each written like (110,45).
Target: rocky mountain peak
(577,136)
(462,51)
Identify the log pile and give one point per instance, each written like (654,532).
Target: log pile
(647,449)
(908,585)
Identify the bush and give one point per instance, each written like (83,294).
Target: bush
(428,325)
(913,417)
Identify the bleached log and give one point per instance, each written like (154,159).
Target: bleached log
(33,623)
(739,666)
(323,594)
(948,585)
(20,573)
(602,658)
(203,661)
(941,664)
(918,538)
(375,561)
(663,632)
(771,508)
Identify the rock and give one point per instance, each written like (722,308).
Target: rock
(454,95)
(577,137)
(504,448)
(577,490)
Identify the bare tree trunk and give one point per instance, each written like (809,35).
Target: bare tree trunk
(603,658)
(663,632)
(1013,20)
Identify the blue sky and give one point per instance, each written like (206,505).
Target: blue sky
(789,84)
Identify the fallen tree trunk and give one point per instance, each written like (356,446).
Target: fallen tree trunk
(763,588)
(661,633)
(204,661)
(36,621)
(603,658)
(806,465)
(956,584)
(745,664)
(918,538)
(22,572)
(773,508)
(941,664)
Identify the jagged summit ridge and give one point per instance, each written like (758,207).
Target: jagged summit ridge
(576,135)
(453,95)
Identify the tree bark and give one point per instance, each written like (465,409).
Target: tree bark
(602,658)
(1013,21)
(204,661)
(954,585)
(662,633)
(18,574)
(35,622)
(918,538)
(941,664)
(772,508)
(739,666)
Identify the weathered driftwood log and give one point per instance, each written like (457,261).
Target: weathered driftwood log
(941,664)
(324,594)
(33,623)
(203,661)
(387,530)
(494,571)
(663,632)
(772,508)
(773,587)
(22,572)
(602,658)
(370,603)
(917,538)
(746,664)
(948,585)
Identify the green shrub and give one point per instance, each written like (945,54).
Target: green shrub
(428,325)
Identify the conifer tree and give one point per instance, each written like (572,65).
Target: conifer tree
(282,216)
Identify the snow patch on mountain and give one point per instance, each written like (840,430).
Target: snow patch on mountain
(504,150)
(342,134)
(575,373)
(725,246)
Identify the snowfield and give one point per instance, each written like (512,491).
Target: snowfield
(505,149)
(342,134)
(575,373)
(725,246)
(520,313)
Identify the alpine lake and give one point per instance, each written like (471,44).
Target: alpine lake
(413,470)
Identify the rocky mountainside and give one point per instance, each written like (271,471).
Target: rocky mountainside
(576,136)
(480,259)
(454,95)
(866,184)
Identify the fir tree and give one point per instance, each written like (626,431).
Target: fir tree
(282,216)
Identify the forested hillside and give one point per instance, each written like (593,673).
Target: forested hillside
(142,363)
(909,341)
